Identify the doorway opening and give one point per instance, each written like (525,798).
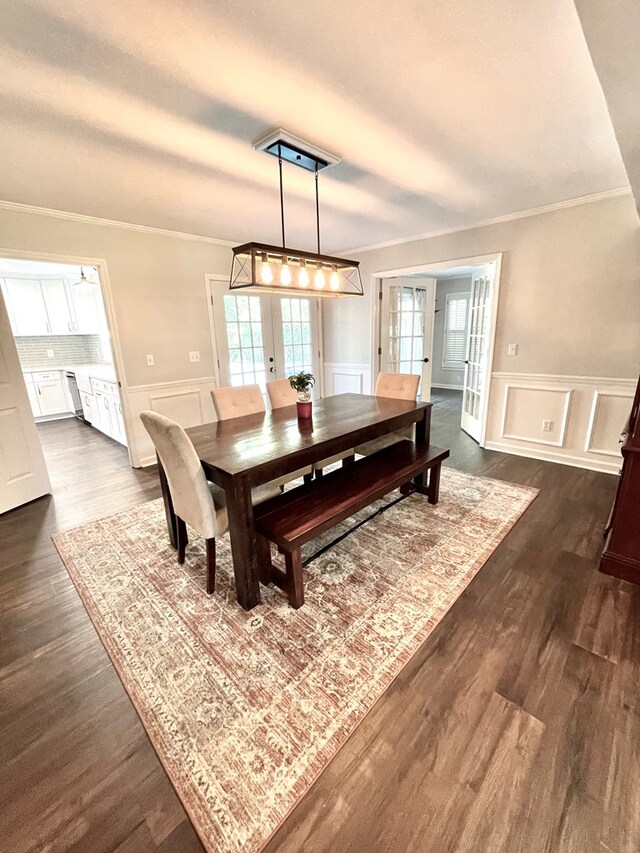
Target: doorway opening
(259,337)
(438,321)
(60,391)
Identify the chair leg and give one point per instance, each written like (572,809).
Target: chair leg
(348,460)
(308,478)
(182,538)
(434,484)
(295,587)
(319,473)
(211,565)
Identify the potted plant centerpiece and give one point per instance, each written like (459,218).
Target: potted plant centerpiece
(303,383)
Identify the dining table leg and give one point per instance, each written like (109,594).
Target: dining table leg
(245,551)
(172,523)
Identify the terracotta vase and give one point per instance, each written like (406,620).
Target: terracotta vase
(304,409)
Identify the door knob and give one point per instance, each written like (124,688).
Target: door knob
(425,360)
(272,370)
(466,361)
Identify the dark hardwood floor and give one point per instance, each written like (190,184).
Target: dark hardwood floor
(516,727)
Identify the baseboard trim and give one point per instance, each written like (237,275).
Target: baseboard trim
(558,458)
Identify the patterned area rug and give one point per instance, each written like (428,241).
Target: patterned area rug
(246,709)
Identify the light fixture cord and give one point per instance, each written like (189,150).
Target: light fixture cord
(281,194)
(317,210)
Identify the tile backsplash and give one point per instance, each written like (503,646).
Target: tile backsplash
(67,349)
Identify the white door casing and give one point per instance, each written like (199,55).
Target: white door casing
(406,329)
(474,398)
(23,472)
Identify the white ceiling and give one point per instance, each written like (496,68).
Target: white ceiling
(444,113)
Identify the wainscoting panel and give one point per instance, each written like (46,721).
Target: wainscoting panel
(346,379)
(188,402)
(521,413)
(587,415)
(608,411)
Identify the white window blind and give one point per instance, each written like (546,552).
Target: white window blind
(454,345)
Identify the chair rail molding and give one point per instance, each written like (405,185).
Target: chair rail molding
(585,413)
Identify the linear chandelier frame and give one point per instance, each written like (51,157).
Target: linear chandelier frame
(263,268)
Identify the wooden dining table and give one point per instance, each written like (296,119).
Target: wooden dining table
(241,453)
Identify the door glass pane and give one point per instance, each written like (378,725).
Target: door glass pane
(244,339)
(296,334)
(407,329)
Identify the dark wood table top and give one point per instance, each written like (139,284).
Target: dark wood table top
(269,444)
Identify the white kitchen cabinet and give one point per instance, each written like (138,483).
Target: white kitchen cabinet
(51,392)
(108,410)
(87,317)
(27,310)
(32,394)
(88,406)
(61,320)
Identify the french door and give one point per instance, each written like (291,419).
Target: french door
(262,338)
(474,398)
(406,329)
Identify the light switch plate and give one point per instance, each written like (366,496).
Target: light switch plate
(547,426)
(512,349)
(194,357)
(150,360)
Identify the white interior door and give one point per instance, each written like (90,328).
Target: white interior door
(474,396)
(406,329)
(262,338)
(23,472)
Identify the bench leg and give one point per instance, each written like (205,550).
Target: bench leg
(295,588)
(433,492)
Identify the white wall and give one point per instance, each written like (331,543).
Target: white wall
(159,299)
(445,377)
(569,297)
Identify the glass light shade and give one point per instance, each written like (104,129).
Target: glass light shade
(266,273)
(285,274)
(259,268)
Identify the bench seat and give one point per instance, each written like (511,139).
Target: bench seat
(296,517)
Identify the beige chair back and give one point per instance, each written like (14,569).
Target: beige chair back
(398,386)
(281,394)
(236,402)
(187,481)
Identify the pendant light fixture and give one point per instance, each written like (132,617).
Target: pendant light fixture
(83,279)
(262,268)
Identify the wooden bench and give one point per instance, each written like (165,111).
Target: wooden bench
(298,516)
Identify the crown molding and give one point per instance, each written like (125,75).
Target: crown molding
(113,223)
(496,220)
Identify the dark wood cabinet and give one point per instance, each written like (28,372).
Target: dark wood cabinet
(621,554)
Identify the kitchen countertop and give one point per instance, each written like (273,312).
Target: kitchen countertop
(106,372)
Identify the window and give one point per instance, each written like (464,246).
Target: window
(454,343)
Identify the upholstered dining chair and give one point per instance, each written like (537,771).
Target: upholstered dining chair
(282,394)
(196,502)
(396,386)
(248,400)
